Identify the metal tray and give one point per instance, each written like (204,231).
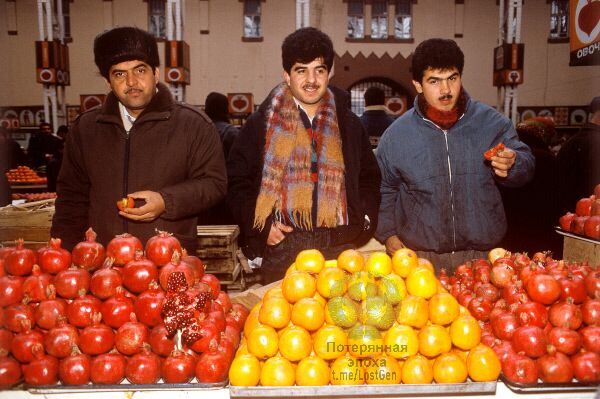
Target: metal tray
(124,386)
(573,235)
(362,391)
(549,387)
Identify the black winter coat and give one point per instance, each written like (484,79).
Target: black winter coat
(245,165)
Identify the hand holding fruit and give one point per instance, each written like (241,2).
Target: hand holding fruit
(501,160)
(153,208)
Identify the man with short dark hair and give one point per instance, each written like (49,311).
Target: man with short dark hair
(375,119)
(139,143)
(440,195)
(302,174)
(43,146)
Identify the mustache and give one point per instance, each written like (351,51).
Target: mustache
(131,89)
(446,97)
(311,86)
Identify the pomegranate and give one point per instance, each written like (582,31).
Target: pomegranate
(97,338)
(195,263)
(574,287)
(42,370)
(71,282)
(131,336)
(529,340)
(59,341)
(212,367)
(23,343)
(178,367)
(148,305)
(520,368)
(590,338)
(532,313)
(122,248)
(138,273)
(213,282)
(11,290)
(117,309)
(89,254)
(19,317)
(502,272)
(49,311)
(592,284)
(82,309)
(35,286)
(20,261)
(10,372)
(543,288)
(564,340)
(160,248)
(160,342)
(591,227)
(175,265)
(104,281)
(6,338)
(53,258)
(75,368)
(590,311)
(143,367)
(555,367)
(584,206)
(504,325)
(586,366)
(108,368)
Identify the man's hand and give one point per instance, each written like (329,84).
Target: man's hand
(392,244)
(154,206)
(502,161)
(277,233)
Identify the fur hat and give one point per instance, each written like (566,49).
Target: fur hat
(216,107)
(124,44)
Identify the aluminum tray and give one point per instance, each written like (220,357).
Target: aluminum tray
(573,235)
(125,387)
(549,387)
(362,391)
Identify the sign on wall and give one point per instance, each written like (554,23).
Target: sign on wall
(584,32)
(21,116)
(396,105)
(240,103)
(562,115)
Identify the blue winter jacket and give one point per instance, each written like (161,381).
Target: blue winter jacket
(438,193)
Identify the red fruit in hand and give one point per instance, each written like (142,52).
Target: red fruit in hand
(125,202)
(492,152)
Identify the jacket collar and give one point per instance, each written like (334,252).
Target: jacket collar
(420,112)
(159,108)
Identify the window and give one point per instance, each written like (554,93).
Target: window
(252,26)
(356,19)
(357,94)
(379,21)
(157,19)
(403,20)
(559,19)
(66,19)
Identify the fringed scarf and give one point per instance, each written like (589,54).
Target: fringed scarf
(444,119)
(286,187)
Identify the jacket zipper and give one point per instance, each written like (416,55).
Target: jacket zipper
(450,180)
(126,177)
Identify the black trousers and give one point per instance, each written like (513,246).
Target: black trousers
(278,258)
(451,260)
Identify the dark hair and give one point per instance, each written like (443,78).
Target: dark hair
(306,45)
(216,107)
(124,44)
(595,105)
(436,54)
(374,96)
(44,124)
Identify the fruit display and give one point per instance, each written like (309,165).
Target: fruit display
(586,219)
(24,175)
(101,315)
(540,315)
(350,321)
(32,197)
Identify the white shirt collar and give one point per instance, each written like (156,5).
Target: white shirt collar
(126,117)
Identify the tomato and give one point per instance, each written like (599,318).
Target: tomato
(492,152)
(126,202)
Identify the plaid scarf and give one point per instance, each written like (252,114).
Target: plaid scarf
(286,187)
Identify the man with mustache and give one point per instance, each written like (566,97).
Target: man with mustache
(142,144)
(301,172)
(440,194)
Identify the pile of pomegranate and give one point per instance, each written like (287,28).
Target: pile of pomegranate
(101,315)
(586,219)
(540,315)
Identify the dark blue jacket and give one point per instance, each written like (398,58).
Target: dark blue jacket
(376,121)
(438,192)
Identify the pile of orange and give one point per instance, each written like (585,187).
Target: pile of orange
(24,175)
(350,321)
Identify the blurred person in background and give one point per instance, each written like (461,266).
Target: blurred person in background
(43,146)
(5,165)
(375,119)
(216,107)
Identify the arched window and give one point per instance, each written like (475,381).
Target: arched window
(357,91)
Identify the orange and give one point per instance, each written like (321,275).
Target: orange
(310,260)
(347,370)
(364,341)
(417,370)
(465,332)
(244,371)
(263,342)
(332,282)
(275,312)
(413,311)
(320,299)
(483,364)
(298,285)
(434,340)
(308,313)
(382,370)
(295,343)
(290,269)
(341,311)
(449,368)
(330,342)
(252,320)
(401,341)
(275,291)
(421,282)
(463,354)
(403,261)
(330,263)
(392,288)
(495,254)
(426,263)
(351,261)
(443,308)
(379,264)
(312,371)
(277,371)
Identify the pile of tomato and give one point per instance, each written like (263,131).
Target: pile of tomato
(31,197)
(94,315)
(540,315)
(350,321)
(24,175)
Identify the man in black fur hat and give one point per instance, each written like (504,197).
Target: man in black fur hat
(142,144)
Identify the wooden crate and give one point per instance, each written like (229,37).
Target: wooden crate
(30,221)
(217,247)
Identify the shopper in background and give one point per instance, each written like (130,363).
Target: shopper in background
(440,196)
(302,174)
(139,143)
(217,109)
(579,162)
(43,146)
(375,119)
(5,165)
(54,163)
